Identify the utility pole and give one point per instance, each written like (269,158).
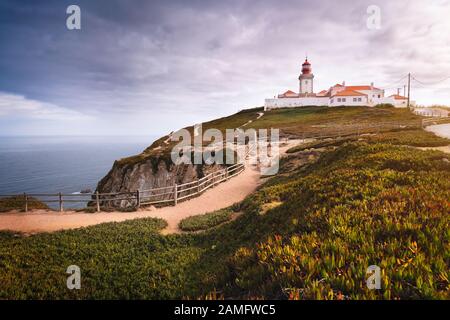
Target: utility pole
(409,88)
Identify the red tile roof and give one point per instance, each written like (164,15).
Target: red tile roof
(398,97)
(360,88)
(347,92)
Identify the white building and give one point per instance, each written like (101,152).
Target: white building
(337,95)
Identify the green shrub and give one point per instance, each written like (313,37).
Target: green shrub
(376,201)
(384,105)
(361,204)
(205,221)
(416,138)
(410,137)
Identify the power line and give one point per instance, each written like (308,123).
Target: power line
(431,83)
(391,85)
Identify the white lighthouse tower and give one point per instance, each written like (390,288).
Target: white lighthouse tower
(306,79)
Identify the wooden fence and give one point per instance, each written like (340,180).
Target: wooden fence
(356,130)
(434,121)
(170,194)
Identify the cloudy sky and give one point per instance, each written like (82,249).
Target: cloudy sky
(149,67)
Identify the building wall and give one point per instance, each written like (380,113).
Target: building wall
(349,101)
(390,100)
(373,95)
(295,102)
(306,85)
(306,82)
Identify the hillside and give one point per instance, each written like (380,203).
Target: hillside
(153,168)
(336,207)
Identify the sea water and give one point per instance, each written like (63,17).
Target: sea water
(61,164)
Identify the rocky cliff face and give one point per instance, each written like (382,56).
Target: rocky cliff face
(145,174)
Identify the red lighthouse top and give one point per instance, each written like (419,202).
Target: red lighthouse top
(306,67)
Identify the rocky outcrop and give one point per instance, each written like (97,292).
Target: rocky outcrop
(151,172)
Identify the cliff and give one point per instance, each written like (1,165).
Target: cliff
(154,171)
(153,168)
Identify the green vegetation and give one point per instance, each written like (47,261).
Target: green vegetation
(290,121)
(206,221)
(295,121)
(359,205)
(113,257)
(416,138)
(411,137)
(18,203)
(308,233)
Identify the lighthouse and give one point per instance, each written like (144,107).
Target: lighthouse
(306,78)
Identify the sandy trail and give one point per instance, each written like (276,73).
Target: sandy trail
(219,197)
(445,149)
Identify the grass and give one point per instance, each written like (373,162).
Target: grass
(295,121)
(360,204)
(290,121)
(205,221)
(310,233)
(410,137)
(18,203)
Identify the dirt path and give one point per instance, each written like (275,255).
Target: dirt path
(221,196)
(445,149)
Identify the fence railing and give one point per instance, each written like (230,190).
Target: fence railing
(174,194)
(356,130)
(434,121)
(187,190)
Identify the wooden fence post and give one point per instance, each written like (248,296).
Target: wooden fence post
(97,201)
(175,194)
(26,201)
(138,199)
(61,205)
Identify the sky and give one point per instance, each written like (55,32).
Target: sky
(150,67)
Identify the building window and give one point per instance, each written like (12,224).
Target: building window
(354,99)
(343,99)
(379,96)
(331,100)
(359,99)
(339,100)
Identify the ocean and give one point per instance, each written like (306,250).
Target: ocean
(61,164)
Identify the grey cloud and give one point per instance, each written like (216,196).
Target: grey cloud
(209,57)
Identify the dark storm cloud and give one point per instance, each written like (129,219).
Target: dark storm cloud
(156,59)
